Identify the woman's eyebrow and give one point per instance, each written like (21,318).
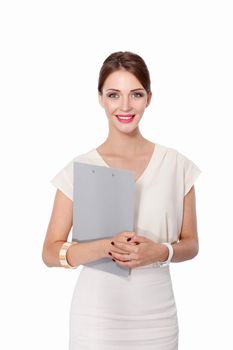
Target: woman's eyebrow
(130,90)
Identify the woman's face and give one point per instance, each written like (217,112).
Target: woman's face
(123,95)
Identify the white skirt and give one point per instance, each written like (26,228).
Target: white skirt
(124,313)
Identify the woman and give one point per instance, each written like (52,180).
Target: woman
(139,311)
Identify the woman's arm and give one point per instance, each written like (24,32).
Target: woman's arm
(57,233)
(187,247)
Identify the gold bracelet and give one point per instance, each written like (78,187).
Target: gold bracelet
(63,255)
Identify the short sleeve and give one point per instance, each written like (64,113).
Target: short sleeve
(63,180)
(191,173)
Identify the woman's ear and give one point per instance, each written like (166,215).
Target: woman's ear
(149,95)
(100,96)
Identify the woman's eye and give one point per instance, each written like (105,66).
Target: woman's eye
(135,94)
(112,95)
(138,94)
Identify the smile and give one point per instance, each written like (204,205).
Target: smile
(127,118)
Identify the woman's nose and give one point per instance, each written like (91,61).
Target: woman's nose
(125,103)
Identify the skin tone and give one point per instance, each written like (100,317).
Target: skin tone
(125,147)
(124,140)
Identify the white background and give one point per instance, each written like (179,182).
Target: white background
(51,53)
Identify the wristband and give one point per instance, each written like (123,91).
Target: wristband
(170,255)
(63,255)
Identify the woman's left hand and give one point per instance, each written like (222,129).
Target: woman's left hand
(145,252)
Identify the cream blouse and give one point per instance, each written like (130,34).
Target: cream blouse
(160,190)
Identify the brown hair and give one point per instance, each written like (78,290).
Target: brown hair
(126,60)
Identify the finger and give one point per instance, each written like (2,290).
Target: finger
(114,249)
(122,239)
(121,257)
(126,234)
(133,243)
(139,239)
(128,264)
(122,245)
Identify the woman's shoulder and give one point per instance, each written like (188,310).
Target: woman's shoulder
(174,153)
(64,177)
(84,156)
(179,164)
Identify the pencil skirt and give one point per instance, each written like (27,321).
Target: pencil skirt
(130,313)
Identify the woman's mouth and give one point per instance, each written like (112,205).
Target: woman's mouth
(125,118)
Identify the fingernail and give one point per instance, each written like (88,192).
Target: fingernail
(109,253)
(112,243)
(113,260)
(128,239)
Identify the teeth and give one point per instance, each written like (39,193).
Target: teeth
(124,117)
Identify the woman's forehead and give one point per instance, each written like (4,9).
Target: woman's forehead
(122,80)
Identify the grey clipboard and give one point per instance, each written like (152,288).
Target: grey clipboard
(103,205)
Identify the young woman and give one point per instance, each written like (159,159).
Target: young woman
(139,311)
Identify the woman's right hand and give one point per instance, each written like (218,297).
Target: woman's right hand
(120,237)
